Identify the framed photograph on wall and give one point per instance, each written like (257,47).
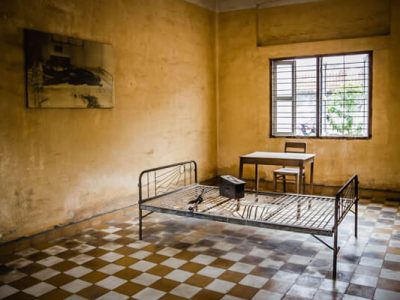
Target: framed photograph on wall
(66,72)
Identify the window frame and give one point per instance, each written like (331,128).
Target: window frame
(318,91)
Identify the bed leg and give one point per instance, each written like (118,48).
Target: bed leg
(356,206)
(356,218)
(335,253)
(140,224)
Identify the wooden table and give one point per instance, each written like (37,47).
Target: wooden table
(279,159)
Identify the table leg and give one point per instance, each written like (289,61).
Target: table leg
(241,169)
(312,178)
(300,180)
(256,178)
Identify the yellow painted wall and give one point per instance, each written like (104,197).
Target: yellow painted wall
(243,124)
(322,20)
(62,165)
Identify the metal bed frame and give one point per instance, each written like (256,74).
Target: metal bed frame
(174,189)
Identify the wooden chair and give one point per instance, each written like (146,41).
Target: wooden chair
(282,173)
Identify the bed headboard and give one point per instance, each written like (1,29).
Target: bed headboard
(166,179)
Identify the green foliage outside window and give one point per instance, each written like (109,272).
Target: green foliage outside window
(342,105)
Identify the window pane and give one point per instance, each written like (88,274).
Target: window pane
(306,96)
(284,122)
(284,80)
(344,95)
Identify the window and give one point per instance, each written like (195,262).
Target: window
(325,96)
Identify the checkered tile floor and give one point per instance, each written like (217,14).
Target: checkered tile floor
(182,258)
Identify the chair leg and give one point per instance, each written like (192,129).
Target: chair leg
(284,183)
(304,184)
(274,182)
(298,187)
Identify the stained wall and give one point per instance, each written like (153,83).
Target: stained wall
(244,97)
(61,165)
(180,93)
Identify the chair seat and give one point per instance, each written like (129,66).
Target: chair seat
(284,173)
(288,171)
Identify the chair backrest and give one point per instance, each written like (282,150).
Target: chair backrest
(295,147)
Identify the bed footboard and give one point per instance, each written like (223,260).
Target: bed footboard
(164,180)
(346,197)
